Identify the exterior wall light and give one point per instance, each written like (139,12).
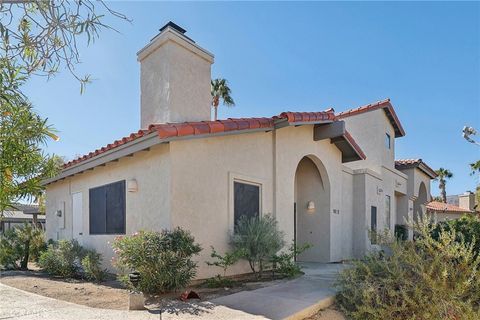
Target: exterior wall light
(132,185)
(310,206)
(59,213)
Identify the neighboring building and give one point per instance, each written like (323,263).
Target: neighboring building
(22,213)
(327,178)
(444,211)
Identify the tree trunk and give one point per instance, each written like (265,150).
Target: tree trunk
(443,190)
(215,113)
(26,254)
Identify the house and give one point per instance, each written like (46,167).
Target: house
(19,214)
(327,177)
(465,204)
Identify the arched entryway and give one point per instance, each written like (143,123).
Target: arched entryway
(312,210)
(420,202)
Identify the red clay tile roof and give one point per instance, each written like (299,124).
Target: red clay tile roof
(415,163)
(438,206)
(169,130)
(383,104)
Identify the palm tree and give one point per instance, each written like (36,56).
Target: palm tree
(220,90)
(442,176)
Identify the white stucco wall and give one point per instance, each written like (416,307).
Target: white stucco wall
(146,209)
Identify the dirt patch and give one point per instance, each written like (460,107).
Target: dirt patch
(107,295)
(327,314)
(111,294)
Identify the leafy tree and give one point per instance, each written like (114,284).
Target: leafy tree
(20,245)
(475,167)
(23,164)
(37,37)
(443,176)
(42,36)
(225,261)
(220,91)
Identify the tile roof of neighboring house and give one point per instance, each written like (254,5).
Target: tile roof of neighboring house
(383,104)
(183,129)
(415,163)
(438,206)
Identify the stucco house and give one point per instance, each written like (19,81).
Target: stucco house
(461,204)
(327,177)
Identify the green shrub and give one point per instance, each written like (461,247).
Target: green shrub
(219,282)
(284,263)
(163,259)
(62,258)
(467,229)
(401,232)
(92,266)
(68,259)
(431,278)
(257,240)
(225,261)
(20,245)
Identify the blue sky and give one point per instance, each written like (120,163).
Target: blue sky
(297,57)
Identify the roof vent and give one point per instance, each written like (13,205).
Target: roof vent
(174,26)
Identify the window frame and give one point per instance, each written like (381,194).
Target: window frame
(388,212)
(235,177)
(388,141)
(373,230)
(105,232)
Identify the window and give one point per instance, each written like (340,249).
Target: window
(387,141)
(373,224)
(387,211)
(107,209)
(246,200)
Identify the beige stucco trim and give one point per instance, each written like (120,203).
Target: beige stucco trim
(171,35)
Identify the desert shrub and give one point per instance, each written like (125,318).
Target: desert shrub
(163,259)
(284,263)
(401,232)
(467,229)
(431,278)
(62,258)
(92,266)
(68,259)
(20,245)
(223,262)
(257,240)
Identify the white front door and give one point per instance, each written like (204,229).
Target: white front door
(77,213)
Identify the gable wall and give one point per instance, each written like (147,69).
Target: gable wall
(146,209)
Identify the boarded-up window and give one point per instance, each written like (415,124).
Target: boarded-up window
(107,209)
(246,200)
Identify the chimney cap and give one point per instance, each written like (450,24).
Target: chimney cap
(174,26)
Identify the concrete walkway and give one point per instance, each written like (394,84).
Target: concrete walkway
(296,299)
(22,305)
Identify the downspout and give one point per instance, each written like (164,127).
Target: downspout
(274,168)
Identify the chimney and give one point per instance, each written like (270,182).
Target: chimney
(467,201)
(175,75)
